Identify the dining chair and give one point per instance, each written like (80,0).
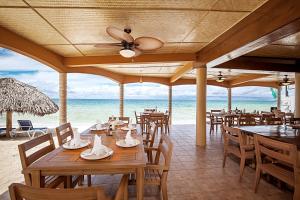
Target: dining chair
(214,122)
(158,118)
(274,121)
(137,119)
(246,120)
(295,120)
(156,172)
(41,146)
(126,120)
(167,122)
(19,191)
(283,163)
(150,139)
(236,143)
(229,120)
(65,133)
(288,118)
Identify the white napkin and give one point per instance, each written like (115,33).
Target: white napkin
(76,139)
(98,147)
(128,139)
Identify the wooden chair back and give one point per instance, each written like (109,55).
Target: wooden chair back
(149,110)
(150,138)
(47,145)
(137,118)
(295,120)
(236,136)
(274,121)
(277,150)
(166,149)
(63,132)
(19,192)
(229,120)
(125,119)
(247,120)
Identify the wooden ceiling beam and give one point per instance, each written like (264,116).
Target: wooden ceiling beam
(263,64)
(17,43)
(246,78)
(117,59)
(180,71)
(118,77)
(259,84)
(274,20)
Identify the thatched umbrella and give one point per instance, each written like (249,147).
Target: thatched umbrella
(16,96)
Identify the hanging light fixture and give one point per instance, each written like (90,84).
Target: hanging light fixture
(127,53)
(286,81)
(220,77)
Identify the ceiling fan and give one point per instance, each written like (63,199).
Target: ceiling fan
(220,77)
(130,47)
(285,81)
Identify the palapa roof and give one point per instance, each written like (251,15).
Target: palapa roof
(19,97)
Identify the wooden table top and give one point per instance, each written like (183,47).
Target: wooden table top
(68,160)
(277,132)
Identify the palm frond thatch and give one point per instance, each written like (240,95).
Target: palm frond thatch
(19,97)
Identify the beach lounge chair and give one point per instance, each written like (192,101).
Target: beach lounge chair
(25,126)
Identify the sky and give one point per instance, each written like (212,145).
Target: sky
(85,86)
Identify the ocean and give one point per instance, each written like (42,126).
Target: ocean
(82,113)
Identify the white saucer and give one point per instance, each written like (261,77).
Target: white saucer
(85,154)
(83,143)
(122,143)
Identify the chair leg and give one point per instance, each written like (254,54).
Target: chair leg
(242,166)
(164,190)
(257,178)
(89,179)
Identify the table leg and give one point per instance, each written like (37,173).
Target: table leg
(140,183)
(36,179)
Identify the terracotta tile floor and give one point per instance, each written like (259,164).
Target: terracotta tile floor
(197,173)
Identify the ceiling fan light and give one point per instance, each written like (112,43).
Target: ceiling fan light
(285,83)
(220,80)
(127,53)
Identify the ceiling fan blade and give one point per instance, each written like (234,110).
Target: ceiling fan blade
(119,34)
(104,45)
(137,52)
(148,43)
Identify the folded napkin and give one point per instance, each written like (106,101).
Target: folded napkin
(98,147)
(76,139)
(128,139)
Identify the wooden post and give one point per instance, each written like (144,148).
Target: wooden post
(201,106)
(278,98)
(229,98)
(8,123)
(121,99)
(297,94)
(62,98)
(170,104)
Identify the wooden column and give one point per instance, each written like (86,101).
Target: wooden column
(8,123)
(121,99)
(62,98)
(170,104)
(229,98)
(279,98)
(201,106)
(297,94)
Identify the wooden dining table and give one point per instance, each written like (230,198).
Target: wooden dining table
(281,133)
(68,162)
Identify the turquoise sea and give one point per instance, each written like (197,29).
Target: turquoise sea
(82,113)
